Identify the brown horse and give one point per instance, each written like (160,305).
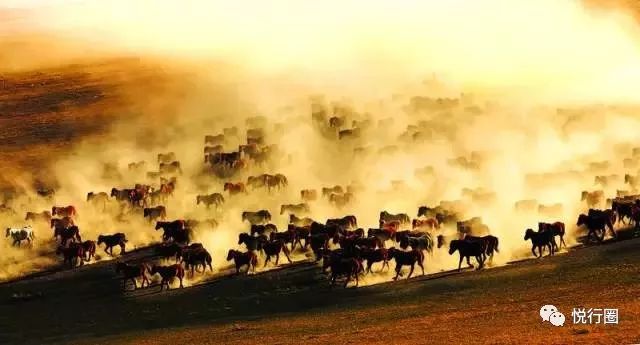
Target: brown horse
(406,259)
(168,274)
(66,211)
(250,259)
(72,252)
(110,241)
(89,248)
(131,272)
(44,216)
(235,188)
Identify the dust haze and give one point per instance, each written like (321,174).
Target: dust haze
(530,103)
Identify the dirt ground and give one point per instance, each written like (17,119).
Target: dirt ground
(294,304)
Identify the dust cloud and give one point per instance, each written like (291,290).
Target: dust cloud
(474,102)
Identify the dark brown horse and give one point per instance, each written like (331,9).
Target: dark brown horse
(131,272)
(249,259)
(168,274)
(110,241)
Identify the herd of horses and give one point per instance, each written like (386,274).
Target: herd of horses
(344,248)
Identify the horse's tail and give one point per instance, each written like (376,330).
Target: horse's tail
(496,246)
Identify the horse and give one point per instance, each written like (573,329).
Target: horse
(385,217)
(593,199)
(252,243)
(168,273)
(235,188)
(406,259)
(170,228)
(375,255)
(262,229)
(131,272)
(345,266)
(274,248)
(382,235)
(526,205)
(136,166)
(41,216)
(557,228)
(215,199)
(166,157)
(61,223)
(214,139)
(121,194)
(431,223)
(340,200)
(170,168)
(539,240)
(20,234)
(293,219)
(489,244)
(296,209)
(73,251)
(208,150)
(89,249)
(327,191)
(346,222)
(66,211)
(168,251)
(97,198)
(153,213)
(308,195)
(258,217)
(67,234)
(467,249)
(249,259)
(195,256)
(597,220)
(422,243)
(110,241)
(289,236)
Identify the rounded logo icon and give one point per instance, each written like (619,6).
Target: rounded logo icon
(546,311)
(557,319)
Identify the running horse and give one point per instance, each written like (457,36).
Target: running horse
(66,211)
(20,234)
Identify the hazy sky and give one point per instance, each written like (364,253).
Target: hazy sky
(524,43)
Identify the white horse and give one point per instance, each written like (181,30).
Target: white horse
(20,234)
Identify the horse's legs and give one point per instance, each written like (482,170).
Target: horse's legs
(411,270)
(460,263)
(357,281)
(286,254)
(421,266)
(181,286)
(469,261)
(398,268)
(135,286)
(348,279)
(533,250)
